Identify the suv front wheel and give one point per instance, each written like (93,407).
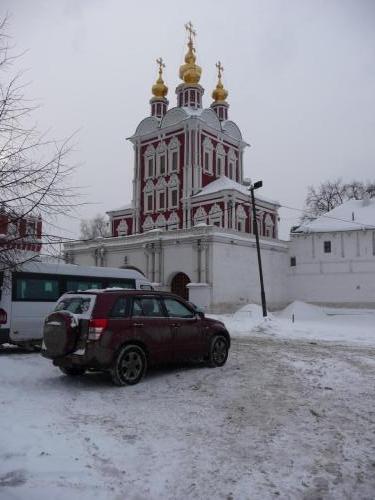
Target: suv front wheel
(218,354)
(130,366)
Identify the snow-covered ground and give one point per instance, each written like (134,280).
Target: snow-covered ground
(348,326)
(285,417)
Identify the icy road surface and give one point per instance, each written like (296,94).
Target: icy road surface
(283,419)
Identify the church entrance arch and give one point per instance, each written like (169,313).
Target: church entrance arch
(178,285)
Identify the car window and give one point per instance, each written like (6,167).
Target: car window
(176,309)
(147,306)
(76,305)
(120,308)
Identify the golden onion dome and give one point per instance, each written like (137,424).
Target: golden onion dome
(220,93)
(190,72)
(159,89)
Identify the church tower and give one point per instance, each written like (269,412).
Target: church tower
(188,162)
(219,95)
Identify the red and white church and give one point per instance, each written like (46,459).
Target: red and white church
(189,194)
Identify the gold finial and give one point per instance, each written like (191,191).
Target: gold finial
(220,93)
(190,72)
(159,89)
(190,30)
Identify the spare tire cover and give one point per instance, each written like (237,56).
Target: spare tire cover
(60,333)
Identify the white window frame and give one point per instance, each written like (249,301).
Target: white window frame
(149,155)
(148,191)
(174,147)
(161,221)
(173,222)
(215,215)
(122,228)
(268,226)
(232,165)
(161,151)
(200,215)
(220,159)
(241,218)
(207,150)
(148,223)
(161,187)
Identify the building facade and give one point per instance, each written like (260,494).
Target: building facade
(189,227)
(332,259)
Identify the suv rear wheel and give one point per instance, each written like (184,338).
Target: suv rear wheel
(130,366)
(218,354)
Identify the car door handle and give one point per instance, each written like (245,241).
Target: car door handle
(176,325)
(137,324)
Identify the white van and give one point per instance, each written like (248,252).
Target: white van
(29,294)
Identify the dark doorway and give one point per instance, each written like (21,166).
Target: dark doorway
(178,285)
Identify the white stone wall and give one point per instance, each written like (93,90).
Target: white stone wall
(226,262)
(236,274)
(345,277)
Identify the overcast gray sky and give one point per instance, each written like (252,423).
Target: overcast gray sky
(300,76)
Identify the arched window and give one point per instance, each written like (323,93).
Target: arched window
(149,196)
(173,222)
(161,159)
(200,216)
(174,155)
(220,160)
(149,161)
(215,216)
(232,165)
(161,194)
(241,218)
(148,223)
(122,228)
(161,222)
(207,156)
(173,191)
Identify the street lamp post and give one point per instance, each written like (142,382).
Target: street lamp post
(252,187)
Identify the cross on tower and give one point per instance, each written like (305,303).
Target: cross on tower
(161,64)
(220,69)
(190,30)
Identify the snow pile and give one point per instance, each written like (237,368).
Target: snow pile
(248,319)
(302,311)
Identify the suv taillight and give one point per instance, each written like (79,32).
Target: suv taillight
(96,328)
(3,317)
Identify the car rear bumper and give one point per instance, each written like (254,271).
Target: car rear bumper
(93,355)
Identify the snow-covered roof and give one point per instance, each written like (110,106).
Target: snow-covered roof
(128,206)
(225,184)
(350,216)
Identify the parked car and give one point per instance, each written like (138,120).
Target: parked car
(125,331)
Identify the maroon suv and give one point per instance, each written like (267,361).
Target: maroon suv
(125,331)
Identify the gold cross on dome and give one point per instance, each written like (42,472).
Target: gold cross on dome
(190,30)
(220,69)
(161,64)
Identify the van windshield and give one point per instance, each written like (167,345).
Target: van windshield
(76,305)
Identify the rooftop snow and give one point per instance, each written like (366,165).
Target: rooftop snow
(122,208)
(224,183)
(350,216)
